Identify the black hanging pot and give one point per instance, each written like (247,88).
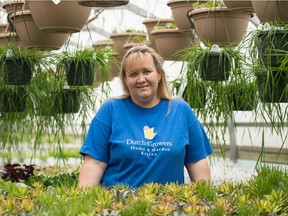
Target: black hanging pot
(242,98)
(273,86)
(13,99)
(195,96)
(16,72)
(216,68)
(67,101)
(272,46)
(79,73)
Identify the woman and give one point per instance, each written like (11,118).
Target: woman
(146,135)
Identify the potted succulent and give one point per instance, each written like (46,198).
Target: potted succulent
(170,40)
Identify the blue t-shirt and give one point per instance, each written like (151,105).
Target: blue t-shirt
(144,145)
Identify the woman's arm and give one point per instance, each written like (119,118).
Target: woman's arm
(199,170)
(91,172)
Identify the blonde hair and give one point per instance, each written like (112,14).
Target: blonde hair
(135,53)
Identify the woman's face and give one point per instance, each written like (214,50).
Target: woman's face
(142,80)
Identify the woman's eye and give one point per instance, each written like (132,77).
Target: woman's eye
(133,74)
(147,71)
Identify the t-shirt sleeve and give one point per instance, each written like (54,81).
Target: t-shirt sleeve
(199,146)
(96,143)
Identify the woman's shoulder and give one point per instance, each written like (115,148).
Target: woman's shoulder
(113,101)
(179,101)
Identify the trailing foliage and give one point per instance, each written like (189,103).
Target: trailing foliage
(46,111)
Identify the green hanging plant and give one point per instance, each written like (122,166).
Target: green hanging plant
(19,63)
(81,66)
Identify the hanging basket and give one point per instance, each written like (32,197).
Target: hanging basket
(216,68)
(79,73)
(13,5)
(99,45)
(120,39)
(60,101)
(271,11)
(241,96)
(197,97)
(16,72)
(241,5)
(66,101)
(103,3)
(171,41)
(220,25)
(113,64)
(272,46)
(65,17)
(179,10)
(31,36)
(13,99)
(151,23)
(273,86)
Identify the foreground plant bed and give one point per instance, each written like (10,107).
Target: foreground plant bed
(266,193)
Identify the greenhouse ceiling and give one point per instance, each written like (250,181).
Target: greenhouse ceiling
(104,21)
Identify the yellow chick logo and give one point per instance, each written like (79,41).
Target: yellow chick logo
(149,132)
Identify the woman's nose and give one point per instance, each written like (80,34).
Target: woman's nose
(141,77)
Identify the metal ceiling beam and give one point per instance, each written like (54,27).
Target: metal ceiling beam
(131,7)
(139,11)
(98,30)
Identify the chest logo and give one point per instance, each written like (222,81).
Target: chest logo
(149,132)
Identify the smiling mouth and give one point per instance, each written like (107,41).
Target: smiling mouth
(140,87)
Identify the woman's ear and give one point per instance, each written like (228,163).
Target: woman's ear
(159,77)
